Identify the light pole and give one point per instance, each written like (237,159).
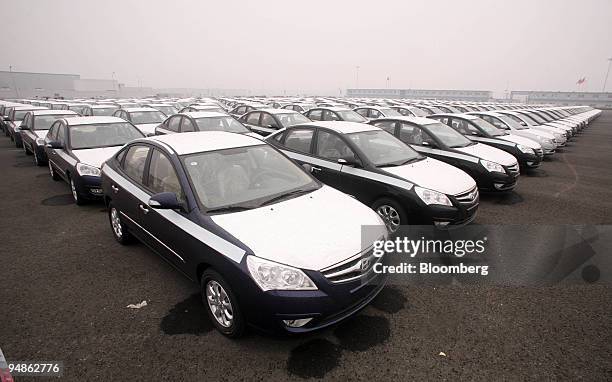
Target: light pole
(603,89)
(357,77)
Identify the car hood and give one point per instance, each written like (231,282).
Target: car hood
(313,231)
(540,133)
(448,179)
(521,141)
(489,153)
(147,128)
(95,157)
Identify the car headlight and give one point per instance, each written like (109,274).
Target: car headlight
(525,149)
(87,170)
(492,166)
(558,136)
(549,141)
(273,276)
(432,197)
(40,141)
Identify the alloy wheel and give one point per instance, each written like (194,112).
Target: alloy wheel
(390,216)
(219,304)
(116,223)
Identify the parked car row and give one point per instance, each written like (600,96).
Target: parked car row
(265,210)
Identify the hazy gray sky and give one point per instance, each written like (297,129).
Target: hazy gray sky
(315,45)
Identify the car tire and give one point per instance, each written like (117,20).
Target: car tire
(37,160)
(391,212)
(52,172)
(76,195)
(120,231)
(221,305)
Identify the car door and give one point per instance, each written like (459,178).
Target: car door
(131,203)
(315,114)
(297,144)
(62,161)
(328,148)
(267,124)
(251,120)
(168,240)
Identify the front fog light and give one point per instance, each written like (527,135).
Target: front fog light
(297,323)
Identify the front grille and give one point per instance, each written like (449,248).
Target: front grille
(357,266)
(469,198)
(513,170)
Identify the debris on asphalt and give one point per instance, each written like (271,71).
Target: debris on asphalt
(138,306)
(442,354)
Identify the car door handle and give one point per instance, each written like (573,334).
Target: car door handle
(115,188)
(144,209)
(315,169)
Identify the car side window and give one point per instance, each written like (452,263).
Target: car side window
(388,126)
(61,134)
(331,146)
(464,127)
(362,112)
(187,125)
(267,120)
(162,176)
(134,162)
(253,119)
(315,115)
(375,113)
(173,123)
(299,139)
(26,120)
(52,134)
(413,135)
(330,116)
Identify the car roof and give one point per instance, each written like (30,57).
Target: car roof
(139,109)
(334,108)
(72,121)
(103,106)
(53,112)
(204,114)
(30,107)
(417,120)
(458,115)
(201,141)
(342,127)
(278,111)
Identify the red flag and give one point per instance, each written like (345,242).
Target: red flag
(581,81)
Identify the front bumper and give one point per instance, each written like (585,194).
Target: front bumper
(328,305)
(89,187)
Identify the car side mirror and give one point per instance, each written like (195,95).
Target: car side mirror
(348,161)
(55,145)
(165,201)
(307,167)
(24,127)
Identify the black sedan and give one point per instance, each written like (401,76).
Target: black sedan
(76,148)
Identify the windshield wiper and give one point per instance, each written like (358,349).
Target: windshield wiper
(285,195)
(231,209)
(415,159)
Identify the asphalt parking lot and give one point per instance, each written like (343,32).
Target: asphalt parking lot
(65,284)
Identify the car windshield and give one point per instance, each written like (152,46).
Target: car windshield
(488,128)
(536,117)
(20,114)
(102,135)
(447,135)
(221,124)
(77,108)
(142,117)
(168,110)
(244,177)
(103,111)
(290,119)
(513,121)
(417,112)
(388,112)
(44,122)
(527,117)
(351,116)
(383,149)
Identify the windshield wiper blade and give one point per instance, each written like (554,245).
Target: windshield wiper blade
(285,195)
(231,209)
